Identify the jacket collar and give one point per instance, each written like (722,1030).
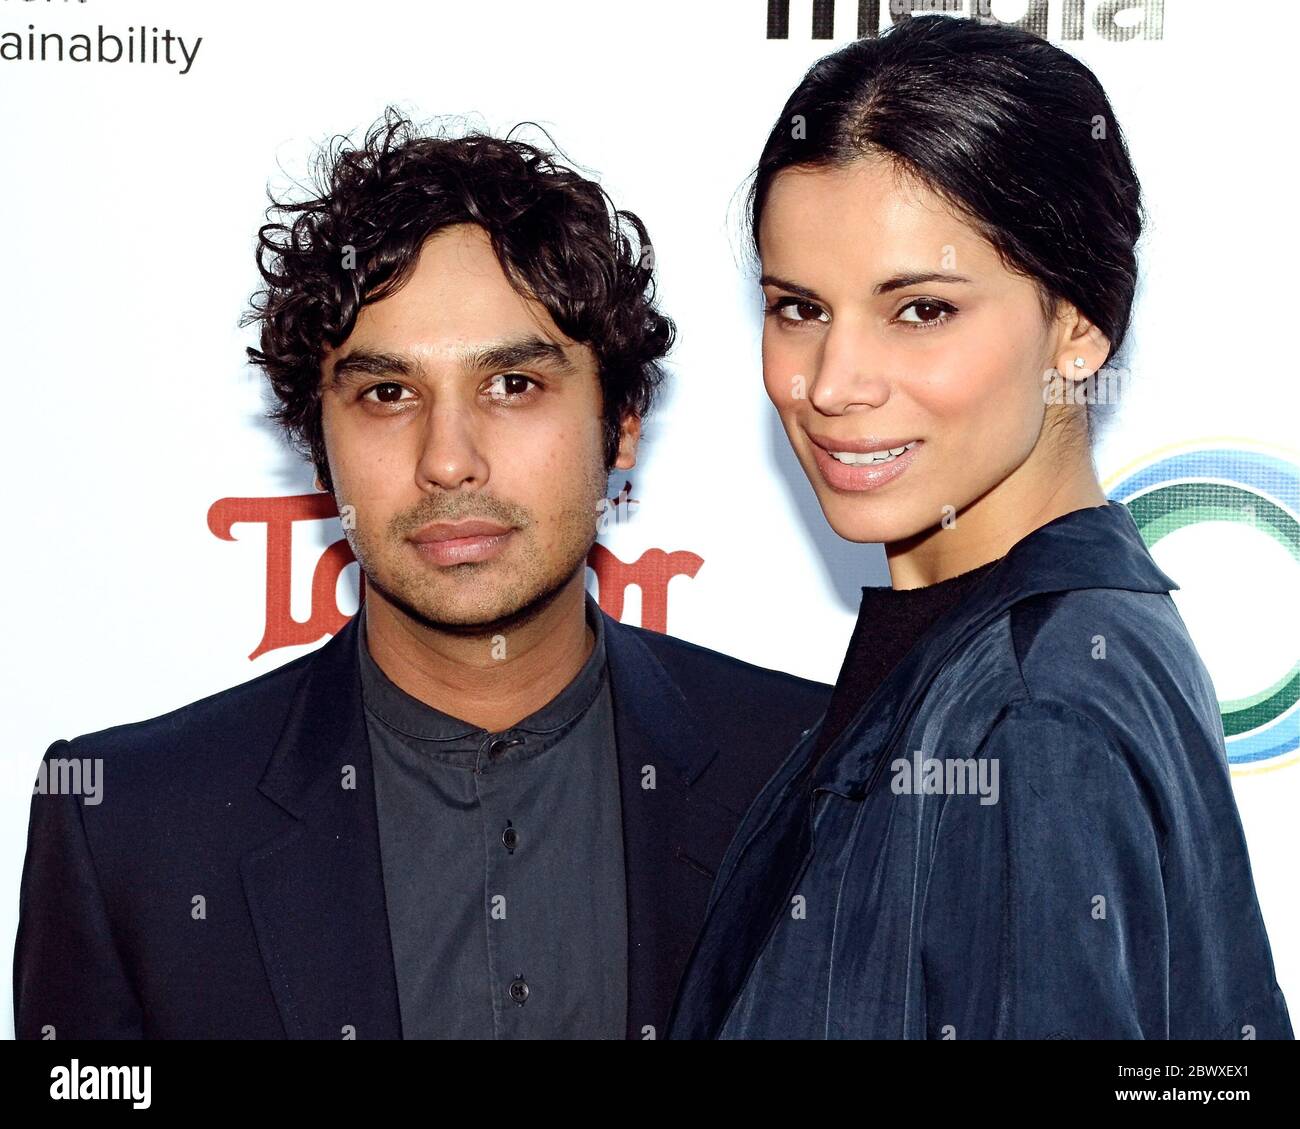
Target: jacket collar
(316,892)
(651,710)
(671,819)
(1096,547)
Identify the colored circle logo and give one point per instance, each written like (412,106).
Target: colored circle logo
(1230,484)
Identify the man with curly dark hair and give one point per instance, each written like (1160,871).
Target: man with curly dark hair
(484,809)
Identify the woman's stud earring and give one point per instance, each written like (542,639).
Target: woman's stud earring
(1078,362)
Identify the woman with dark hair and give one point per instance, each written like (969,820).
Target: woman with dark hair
(1016,818)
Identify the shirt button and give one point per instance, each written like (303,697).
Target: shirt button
(510,837)
(519,990)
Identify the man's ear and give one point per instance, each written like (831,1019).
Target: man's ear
(628,437)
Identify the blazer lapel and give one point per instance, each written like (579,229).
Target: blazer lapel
(316,892)
(668,825)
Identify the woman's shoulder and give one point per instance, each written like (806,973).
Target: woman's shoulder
(1098,634)
(1120,659)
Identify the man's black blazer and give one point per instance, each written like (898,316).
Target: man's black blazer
(228,884)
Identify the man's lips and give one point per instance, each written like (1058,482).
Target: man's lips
(462,542)
(454,531)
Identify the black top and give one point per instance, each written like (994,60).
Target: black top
(890,620)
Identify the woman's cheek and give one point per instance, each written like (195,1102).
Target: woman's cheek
(777,381)
(974,381)
(786,374)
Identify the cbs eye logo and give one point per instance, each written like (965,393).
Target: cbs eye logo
(1221,498)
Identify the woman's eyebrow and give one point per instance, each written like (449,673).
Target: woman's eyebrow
(793,287)
(897,282)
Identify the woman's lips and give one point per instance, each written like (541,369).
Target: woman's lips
(840,476)
(463,550)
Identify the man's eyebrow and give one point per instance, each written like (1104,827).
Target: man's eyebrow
(497,357)
(367,362)
(898,282)
(518,353)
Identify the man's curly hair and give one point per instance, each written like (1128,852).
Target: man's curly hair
(557,235)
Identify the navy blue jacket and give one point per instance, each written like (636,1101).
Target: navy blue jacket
(238,799)
(1097,886)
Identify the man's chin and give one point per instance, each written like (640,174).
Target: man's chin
(489,610)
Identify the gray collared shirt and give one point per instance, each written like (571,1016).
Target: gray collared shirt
(503,861)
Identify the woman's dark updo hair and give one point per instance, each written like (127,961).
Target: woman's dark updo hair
(1015,133)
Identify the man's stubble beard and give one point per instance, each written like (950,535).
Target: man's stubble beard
(507,599)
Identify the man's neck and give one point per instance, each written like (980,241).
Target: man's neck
(495,680)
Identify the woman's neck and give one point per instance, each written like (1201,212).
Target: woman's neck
(987,528)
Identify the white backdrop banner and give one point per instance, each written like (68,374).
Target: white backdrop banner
(165,543)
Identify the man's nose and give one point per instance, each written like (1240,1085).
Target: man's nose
(451,456)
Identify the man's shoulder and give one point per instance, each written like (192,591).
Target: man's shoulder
(749,716)
(702,672)
(246,716)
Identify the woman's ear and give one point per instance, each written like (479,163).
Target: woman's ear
(1083,348)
